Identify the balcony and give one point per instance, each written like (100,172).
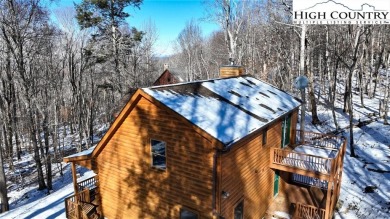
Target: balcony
(318,155)
(85,203)
(314,161)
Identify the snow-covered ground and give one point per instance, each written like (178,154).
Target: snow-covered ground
(24,198)
(30,203)
(365,191)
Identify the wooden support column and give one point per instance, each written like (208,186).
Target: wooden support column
(74,176)
(340,171)
(339,185)
(328,200)
(342,160)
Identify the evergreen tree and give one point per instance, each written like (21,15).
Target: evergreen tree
(107,16)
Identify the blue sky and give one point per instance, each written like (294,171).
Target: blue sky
(169,17)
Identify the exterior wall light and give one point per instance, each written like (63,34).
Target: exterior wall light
(225,194)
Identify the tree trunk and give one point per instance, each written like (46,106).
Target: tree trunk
(37,159)
(312,98)
(360,77)
(378,62)
(14,124)
(386,98)
(332,78)
(351,140)
(347,94)
(3,183)
(348,100)
(302,55)
(46,134)
(333,89)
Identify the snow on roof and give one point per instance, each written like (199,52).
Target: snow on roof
(255,96)
(228,109)
(82,153)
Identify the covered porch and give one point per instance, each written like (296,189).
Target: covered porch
(85,203)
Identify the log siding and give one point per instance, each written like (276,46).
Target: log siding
(245,172)
(131,188)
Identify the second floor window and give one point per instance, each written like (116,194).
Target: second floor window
(265,136)
(158,154)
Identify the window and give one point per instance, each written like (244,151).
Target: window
(276,183)
(265,131)
(187,214)
(239,211)
(158,154)
(286,131)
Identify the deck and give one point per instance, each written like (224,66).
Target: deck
(318,156)
(315,162)
(279,210)
(301,203)
(85,203)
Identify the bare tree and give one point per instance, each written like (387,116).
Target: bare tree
(3,180)
(21,23)
(190,44)
(353,41)
(232,16)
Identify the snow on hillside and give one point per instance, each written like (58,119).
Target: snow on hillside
(365,188)
(365,191)
(38,205)
(24,199)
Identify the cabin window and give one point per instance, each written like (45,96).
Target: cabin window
(158,154)
(265,131)
(239,211)
(188,214)
(286,131)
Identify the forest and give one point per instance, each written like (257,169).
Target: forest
(64,72)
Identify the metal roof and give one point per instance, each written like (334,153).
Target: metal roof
(229,108)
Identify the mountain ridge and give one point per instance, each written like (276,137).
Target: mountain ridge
(341,4)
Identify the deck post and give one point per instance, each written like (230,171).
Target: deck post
(328,200)
(340,171)
(74,176)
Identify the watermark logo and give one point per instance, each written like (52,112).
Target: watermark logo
(341,12)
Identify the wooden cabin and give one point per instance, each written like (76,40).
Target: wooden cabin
(220,148)
(168,77)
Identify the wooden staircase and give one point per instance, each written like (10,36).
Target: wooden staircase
(303,211)
(89,211)
(83,205)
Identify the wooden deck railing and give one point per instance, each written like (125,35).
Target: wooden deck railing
(299,162)
(72,207)
(75,204)
(308,212)
(88,183)
(302,161)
